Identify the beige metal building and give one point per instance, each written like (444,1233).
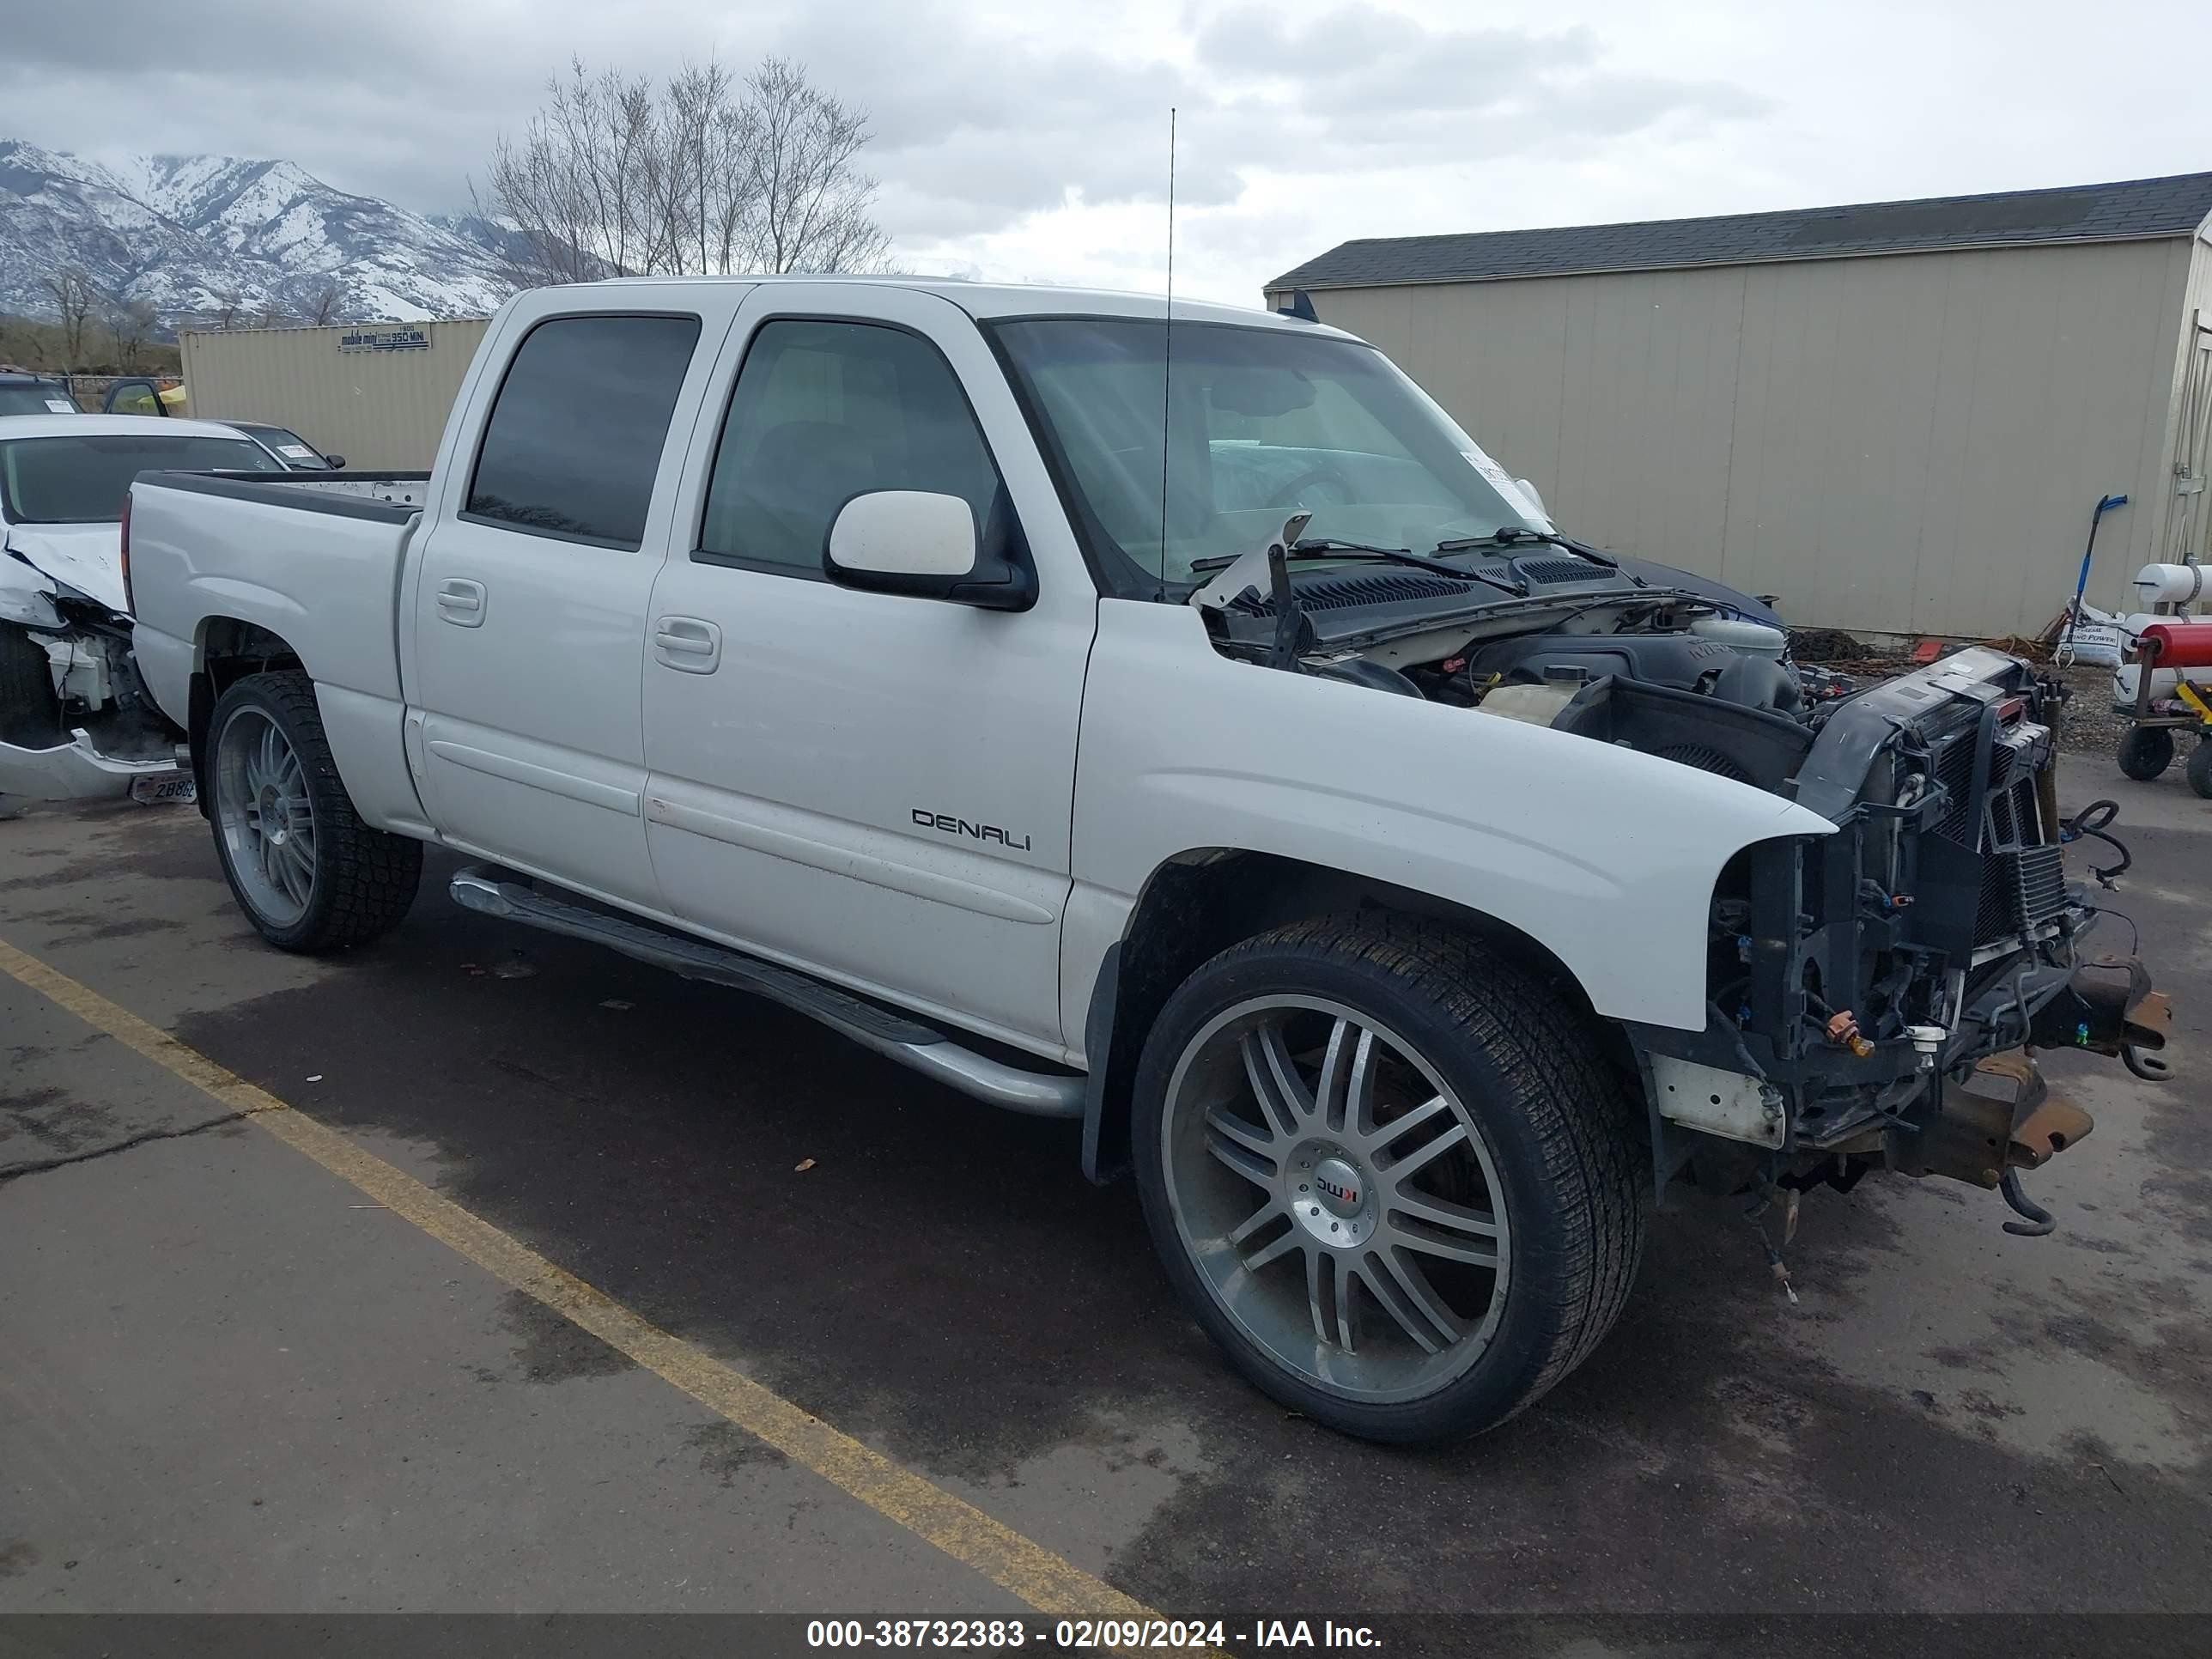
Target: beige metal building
(377,393)
(1899,416)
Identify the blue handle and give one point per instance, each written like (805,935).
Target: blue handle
(2109,503)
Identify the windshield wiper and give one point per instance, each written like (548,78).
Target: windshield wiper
(1506,535)
(1315,547)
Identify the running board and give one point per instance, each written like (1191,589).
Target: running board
(922,1048)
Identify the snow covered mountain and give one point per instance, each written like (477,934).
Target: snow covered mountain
(184,233)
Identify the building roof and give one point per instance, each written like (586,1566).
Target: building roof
(2133,210)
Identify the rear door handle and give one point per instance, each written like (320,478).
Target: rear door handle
(461,602)
(689,644)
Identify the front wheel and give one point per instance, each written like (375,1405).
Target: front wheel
(309,874)
(1390,1174)
(30,713)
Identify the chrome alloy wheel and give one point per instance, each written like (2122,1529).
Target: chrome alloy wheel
(267,820)
(1336,1197)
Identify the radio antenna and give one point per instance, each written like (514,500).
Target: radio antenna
(1167,360)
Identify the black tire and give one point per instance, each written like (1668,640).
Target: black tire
(2200,769)
(30,713)
(364,879)
(2146,751)
(1567,1140)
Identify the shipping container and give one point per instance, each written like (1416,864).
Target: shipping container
(376,393)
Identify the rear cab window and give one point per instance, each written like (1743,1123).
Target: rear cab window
(573,445)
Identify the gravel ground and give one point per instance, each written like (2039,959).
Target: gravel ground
(2090,724)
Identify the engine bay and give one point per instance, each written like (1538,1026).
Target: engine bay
(1555,641)
(1855,982)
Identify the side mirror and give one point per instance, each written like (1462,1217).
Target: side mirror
(923,544)
(337,462)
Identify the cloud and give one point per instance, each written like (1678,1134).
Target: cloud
(1362,57)
(1017,140)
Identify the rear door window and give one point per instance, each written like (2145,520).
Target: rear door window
(575,440)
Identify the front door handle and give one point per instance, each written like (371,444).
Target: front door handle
(688,644)
(461,602)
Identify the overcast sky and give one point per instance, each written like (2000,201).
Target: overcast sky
(1030,140)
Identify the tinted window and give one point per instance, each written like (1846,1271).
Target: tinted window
(826,411)
(84,480)
(575,438)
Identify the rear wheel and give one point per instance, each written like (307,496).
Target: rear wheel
(30,713)
(309,874)
(2200,769)
(2146,751)
(1390,1173)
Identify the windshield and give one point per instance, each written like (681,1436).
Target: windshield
(1265,422)
(35,397)
(84,480)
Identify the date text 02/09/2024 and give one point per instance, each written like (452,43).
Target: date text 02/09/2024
(1115,1634)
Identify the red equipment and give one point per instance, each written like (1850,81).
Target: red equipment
(2180,644)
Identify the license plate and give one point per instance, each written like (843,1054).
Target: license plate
(178,788)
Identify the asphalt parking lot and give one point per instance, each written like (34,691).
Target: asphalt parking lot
(231,1380)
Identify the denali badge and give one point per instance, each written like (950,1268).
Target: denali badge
(953,826)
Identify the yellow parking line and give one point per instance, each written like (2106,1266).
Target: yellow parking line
(1045,1581)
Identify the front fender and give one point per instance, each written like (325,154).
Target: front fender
(1607,857)
(26,595)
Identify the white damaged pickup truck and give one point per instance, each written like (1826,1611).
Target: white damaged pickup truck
(1184,729)
(75,723)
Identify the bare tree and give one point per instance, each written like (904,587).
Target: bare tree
(229,305)
(322,307)
(614,176)
(129,324)
(75,299)
(574,184)
(692,168)
(809,203)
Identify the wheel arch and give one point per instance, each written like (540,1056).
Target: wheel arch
(1201,902)
(225,649)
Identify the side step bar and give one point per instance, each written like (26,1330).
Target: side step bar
(922,1048)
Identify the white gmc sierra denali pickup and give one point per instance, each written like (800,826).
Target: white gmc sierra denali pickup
(1181,728)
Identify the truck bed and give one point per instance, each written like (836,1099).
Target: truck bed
(314,559)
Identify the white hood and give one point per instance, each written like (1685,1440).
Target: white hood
(87,556)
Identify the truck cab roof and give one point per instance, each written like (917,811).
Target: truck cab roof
(1000,300)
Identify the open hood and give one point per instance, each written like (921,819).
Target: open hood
(87,556)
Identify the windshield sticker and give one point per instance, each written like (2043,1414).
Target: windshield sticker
(61,406)
(297,451)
